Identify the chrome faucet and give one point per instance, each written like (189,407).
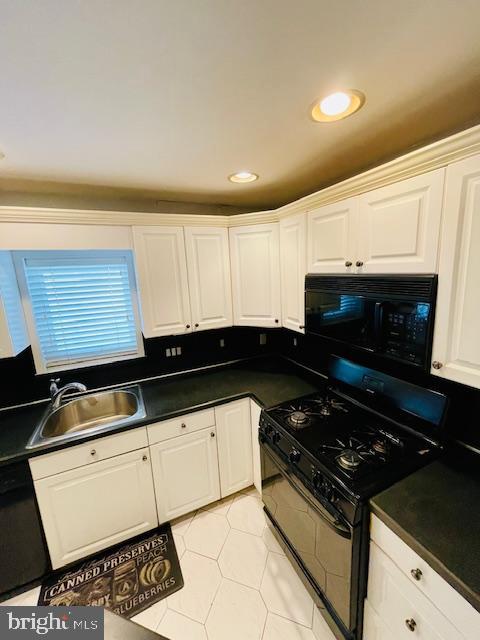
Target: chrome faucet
(57,394)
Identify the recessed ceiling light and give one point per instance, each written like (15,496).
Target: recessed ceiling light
(337,105)
(243,177)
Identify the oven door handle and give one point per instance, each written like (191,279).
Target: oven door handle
(334,520)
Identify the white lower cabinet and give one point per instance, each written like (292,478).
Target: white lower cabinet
(97,505)
(185,473)
(255,411)
(234,446)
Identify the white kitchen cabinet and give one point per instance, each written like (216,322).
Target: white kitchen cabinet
(234,446)
(332,237)
(255,411)
(185,473)
(293,262)
(456,344)
(208,263)
(162,278)
(13,331)
(255,262)
(399,225)
(95,506)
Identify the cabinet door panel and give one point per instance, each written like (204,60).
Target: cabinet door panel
(332,237)
(185,473)
(162,275)
(399,225)
(255,260)
(293,239)
(209,277)
(234,446)
(94,507)
(456,343)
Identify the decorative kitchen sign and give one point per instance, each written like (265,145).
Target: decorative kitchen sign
(127,580)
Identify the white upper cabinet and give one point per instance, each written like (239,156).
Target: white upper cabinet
(162,279)
(399,226)
(293,246)
(13,332)
(209,277)
(332,237)
(255,260)
(456,346)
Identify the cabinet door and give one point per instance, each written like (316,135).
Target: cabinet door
(162,279)
(332,237)
(255,411)
(399,226)
(255,260)
(185,473)
(456,345)
(209,282)
(293,261)
(97,506)
(234,446)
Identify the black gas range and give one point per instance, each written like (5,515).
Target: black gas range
(323,456)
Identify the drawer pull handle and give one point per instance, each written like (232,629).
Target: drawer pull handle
(411,624)
(212,434)
(93,452)
(416,574)
(144,458)
(183,425)
(437,365)
(359,263)
(348,263)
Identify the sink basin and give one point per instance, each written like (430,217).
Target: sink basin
(89,413)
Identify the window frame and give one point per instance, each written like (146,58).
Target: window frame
(41,367)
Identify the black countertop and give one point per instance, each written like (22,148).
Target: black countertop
(267,380)
(436,511)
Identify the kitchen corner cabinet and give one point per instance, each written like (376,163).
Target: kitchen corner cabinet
(399,226)
(456,344)
(208,264)
(255,263)
(234,444)
(162,279)
(92,507)
(185,473)
(332,237)
(293,263)
(13,331)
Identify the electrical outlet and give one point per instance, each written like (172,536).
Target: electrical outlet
(168,352)
(179,351)
(174,351)
(263,338)
(295,342)
(222,342)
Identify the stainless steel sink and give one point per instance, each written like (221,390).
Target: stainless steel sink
(88,414)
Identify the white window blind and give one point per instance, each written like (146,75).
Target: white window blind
(83,306)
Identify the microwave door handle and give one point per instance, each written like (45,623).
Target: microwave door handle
(378,324)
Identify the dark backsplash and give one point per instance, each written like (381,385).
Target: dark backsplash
(19,383)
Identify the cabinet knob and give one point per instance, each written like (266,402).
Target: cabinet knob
(196,324)
(144,458)
(188,326)
(348,263)
(437,365)
(212,434)
(411,624)
(93,452)
(276,320)
(359,263)
(416,574)
(183,425)
(301,326)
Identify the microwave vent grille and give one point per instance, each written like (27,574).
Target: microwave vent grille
(418,288)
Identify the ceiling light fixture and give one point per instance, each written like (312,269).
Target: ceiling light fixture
(337,105)
(243,177)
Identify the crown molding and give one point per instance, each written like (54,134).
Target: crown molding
(433,156)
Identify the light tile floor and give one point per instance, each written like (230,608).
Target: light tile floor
(238,583)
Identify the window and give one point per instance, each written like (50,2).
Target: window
(81,307)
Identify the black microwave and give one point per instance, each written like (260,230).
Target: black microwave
(390,315)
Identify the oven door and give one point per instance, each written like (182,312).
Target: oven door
(322,541)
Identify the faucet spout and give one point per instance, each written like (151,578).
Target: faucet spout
(58,393)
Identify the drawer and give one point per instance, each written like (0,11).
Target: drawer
(188,423)
(396,600)
(88,452)
(431,584)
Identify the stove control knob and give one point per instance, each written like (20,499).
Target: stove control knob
(317,479)
(268,429)
(275,437)
(327,490)
(294,456)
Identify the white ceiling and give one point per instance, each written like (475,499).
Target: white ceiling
(171,96)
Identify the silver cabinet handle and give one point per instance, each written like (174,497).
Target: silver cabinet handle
(348,263)
(359,263)
(212,434)
(183,425)
(437,365)
(416,574)
(188,326)
(144,458)
(411,624)
(93,452)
